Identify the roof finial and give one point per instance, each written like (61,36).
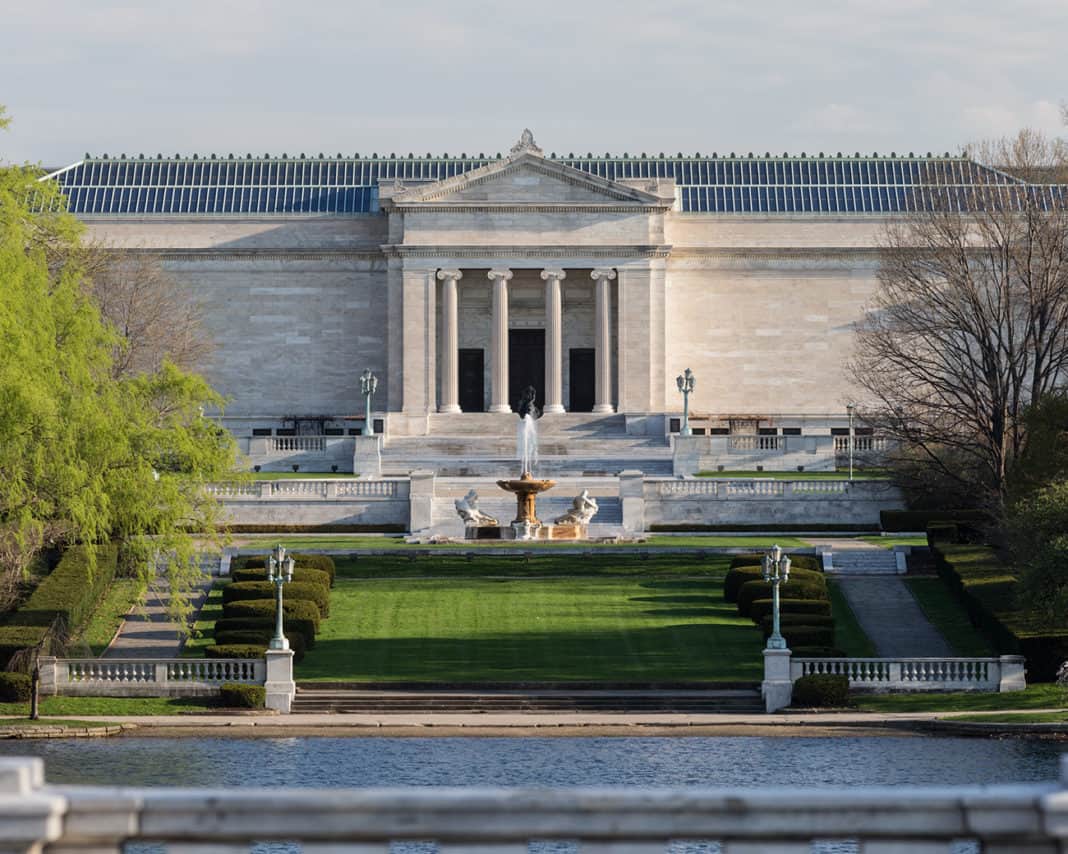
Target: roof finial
(526,144)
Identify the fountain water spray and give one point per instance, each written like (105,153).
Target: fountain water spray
(527,443)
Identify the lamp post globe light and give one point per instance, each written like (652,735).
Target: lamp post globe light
(368,385)
(776,567)
(279,571)
(685,383)
(851,408)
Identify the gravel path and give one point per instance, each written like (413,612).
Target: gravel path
(888,612)
(147,631)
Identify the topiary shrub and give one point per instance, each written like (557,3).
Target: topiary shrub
(14,639)
(299,615)
(323,563)
(799,588)
(234,695)
(304,576)
(821,691)
(818,652)
(735,578)
(240,591)
(235,650)
(812,562)
(260,638)
(796,620)
(808,636)
(762,607)
(15,688)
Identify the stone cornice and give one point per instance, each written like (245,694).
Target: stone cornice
(628,207)
(505,251)
(237,255)
(786,252)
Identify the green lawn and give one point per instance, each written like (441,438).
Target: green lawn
(848,635)
(121,596)
(874,474)
(1023,718)
(947,615)
(105,706)
(201,635)
(1034,697)
(544,619)
(891,541)
(354,542)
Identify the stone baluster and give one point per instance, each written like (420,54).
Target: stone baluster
(554,341)
(450,341)
(499,342)
(603,338)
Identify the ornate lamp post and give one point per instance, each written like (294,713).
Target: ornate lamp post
(851,408)
(685,383)
(368,385)
(279,571)
(776,571)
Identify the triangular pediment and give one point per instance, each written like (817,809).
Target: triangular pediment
(525,179)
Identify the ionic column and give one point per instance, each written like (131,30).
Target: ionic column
(450,341)
(499,342)
(554,341)
(602,340)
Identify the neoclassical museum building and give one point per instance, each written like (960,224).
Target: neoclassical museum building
(460,281)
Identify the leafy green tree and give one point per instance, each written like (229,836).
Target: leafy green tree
(88,455)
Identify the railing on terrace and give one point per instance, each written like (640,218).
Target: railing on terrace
(861,444)
(1027,817)
(326,489)
(158,677)
(751,488)
(918,674)
(755,443)
(297,443)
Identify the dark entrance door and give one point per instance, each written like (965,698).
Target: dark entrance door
(472,372)
(526,364)
(581,379)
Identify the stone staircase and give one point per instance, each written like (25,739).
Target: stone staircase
(874,561)
(341,698)
(484,445)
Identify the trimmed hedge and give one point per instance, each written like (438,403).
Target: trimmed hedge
(302,576)
(15,688)
(987,589)
(234,695)
(739,575)
(821,691)
(788,620)
(751,591)
(895,521)
(818,652)
(241,591)
(235,650)
(813,562)
(68,595)
(762,607)
(324,563)
(298,616)
(808,636)
(261,638)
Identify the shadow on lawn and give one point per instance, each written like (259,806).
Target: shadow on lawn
(682,653)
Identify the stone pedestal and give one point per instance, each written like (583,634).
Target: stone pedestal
(367,456)
(632,497)
(777,687)
(280,687)
(421,501)
(686,455)
(1013,674)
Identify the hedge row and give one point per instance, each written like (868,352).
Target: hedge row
(917,520)
(234,695)
(67,597)
(821,691)
(762,607)
(297,615)
(987,589)
(261,638)
(15,688)
(324,563)
(739,575)
(295,591)
(753,591)
(303,576)
(814,562)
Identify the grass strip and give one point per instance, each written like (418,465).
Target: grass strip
(947,614)
(108,706)
(121,596)
(1019,718)
(202,634)
(1044,696)
(355,542)
(849,636)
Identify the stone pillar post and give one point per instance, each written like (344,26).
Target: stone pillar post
(499,401)
(367,456)
(554,342)
(1012,673)
(603,339)
(450,341)
(778,685)
(632,497)
(279,684)
(420,501)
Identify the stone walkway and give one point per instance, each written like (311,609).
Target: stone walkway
(147,631)
(891,617)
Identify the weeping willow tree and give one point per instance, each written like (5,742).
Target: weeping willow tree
(89,453)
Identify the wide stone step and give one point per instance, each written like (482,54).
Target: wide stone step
(609,512)
(491,446)
(501,467)
(865,562)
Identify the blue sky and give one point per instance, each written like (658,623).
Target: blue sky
(467,76)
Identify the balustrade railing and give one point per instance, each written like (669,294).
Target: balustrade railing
(306,489)
(915,674)
(145,676)
(755,443)
(1031,817)
(314,444)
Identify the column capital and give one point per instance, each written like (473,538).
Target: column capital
(503,275)
(603,273)
(552,274)
(455,275)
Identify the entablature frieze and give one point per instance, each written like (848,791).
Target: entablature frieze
(526,252)
(821,258)
(532,207)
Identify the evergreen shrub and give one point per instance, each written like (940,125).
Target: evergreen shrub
(821,691)
(801,588)
(15,688)
(762,607)
(234,695)
(240,591)
(235,650)
(298,615)
(813,562)
(739,575)
(302,576)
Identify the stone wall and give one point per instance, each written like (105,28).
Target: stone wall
(308,503)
